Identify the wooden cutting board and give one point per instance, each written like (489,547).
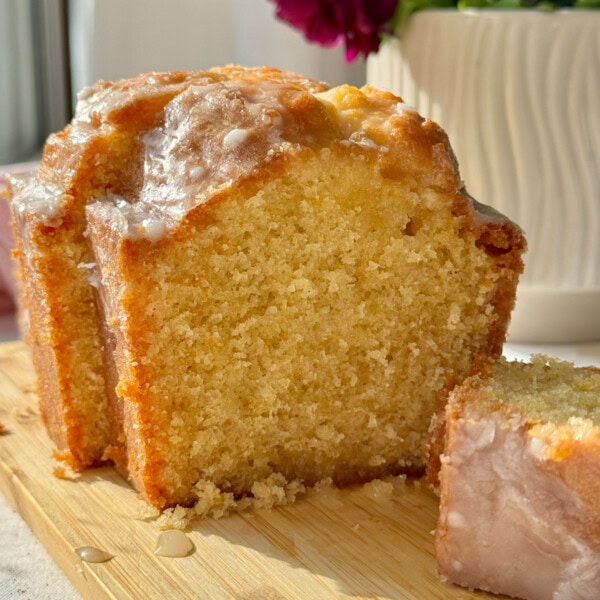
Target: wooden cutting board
(336,544)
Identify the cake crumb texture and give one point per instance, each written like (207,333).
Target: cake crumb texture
(313,322)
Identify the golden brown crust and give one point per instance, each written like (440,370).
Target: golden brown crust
(31,307)
(48,334)
(436,437)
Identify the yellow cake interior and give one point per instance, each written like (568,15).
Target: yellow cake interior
(304,330)
(545,390)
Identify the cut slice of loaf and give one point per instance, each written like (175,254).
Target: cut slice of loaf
(289,296)
(100,152)
(287,276)
(520,482)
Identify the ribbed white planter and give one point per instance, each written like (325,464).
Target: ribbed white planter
(519,94)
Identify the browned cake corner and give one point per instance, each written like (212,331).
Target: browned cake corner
(288,273)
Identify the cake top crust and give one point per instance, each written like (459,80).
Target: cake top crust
(186,137)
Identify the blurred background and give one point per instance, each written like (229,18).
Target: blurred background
(51,49)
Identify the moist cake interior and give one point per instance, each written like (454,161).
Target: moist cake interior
(305,330)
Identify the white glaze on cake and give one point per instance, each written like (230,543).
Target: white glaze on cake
(509,521)
(216,131)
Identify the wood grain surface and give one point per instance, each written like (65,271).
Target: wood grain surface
(334,544)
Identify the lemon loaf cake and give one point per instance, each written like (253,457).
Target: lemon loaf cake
(271,279)
(520,482)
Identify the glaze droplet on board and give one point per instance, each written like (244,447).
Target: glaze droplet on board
(173,543)
(93,555)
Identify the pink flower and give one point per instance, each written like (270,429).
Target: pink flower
(358,23)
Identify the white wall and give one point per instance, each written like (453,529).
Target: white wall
(112,39)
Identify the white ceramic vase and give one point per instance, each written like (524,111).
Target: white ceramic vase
(518,93)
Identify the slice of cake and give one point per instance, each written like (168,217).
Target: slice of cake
(520,482)
(98,153)
(278,279)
